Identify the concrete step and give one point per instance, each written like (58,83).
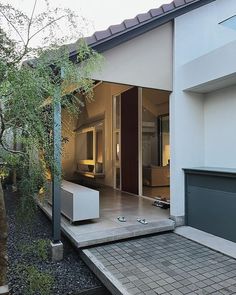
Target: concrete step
(106,235)
(131,231)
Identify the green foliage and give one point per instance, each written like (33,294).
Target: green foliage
(4,172)
(5,176)
(36,281)
(29,89)
(38,249)
(26,212)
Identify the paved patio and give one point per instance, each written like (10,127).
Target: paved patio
(107,228)
(162,264)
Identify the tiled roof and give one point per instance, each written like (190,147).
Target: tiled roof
(137,20)
(170,11)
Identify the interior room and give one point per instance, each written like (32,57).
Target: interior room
(123,124)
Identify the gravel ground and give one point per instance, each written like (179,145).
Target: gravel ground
(71,276)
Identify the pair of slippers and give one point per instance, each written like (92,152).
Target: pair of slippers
(162,203)
(140,220)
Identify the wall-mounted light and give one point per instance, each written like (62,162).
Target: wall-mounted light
(118,151)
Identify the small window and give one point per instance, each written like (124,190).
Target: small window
(230,22)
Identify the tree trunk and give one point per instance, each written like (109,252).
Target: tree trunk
(3,244)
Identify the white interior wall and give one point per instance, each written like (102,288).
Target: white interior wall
(68,151)
(102,104)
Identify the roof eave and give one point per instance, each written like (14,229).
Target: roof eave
(133,32)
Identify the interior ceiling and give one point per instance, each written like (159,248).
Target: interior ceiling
(156,96)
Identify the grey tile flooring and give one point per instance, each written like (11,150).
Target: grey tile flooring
(164,264)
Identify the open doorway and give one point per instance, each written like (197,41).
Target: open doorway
(105,154)
(155,144)
(122,141)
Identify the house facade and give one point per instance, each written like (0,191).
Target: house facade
(203,120)
(163,117)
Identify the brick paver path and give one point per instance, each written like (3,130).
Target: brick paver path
(168,264)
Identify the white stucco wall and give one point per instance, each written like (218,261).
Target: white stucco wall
(220,126)
(195,117)
(198,32)
(187,142)
(144,61)
(206,55)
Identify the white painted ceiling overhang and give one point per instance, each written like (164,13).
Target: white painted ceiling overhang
(211,71)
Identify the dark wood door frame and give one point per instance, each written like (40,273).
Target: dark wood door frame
(130,141)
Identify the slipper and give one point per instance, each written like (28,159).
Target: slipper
(142,221)
(121,219)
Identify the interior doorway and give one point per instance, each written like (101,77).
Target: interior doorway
(155,144)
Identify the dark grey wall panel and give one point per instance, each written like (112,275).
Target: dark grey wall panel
(211,203)
(212,211)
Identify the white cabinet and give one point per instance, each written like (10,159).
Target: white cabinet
(79,202)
